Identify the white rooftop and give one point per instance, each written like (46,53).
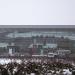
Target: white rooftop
(3,44)
(64,34)
(50,45)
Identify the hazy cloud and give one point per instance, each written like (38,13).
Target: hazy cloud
(37,12)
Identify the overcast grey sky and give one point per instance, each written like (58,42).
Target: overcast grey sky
(37,12)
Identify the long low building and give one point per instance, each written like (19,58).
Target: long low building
(63,52)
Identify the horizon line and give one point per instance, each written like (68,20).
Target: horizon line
(37,26)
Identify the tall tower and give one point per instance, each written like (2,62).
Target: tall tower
(34,42)
(41,52)
(11,47)
(34,47)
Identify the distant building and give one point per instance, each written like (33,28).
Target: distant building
(50,45)
(3,45)
(51,54)
(63,52)
(12,49)
(41,49)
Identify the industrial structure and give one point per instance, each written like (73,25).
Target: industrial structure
(38,43)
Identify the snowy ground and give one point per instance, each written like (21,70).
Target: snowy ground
(6,61)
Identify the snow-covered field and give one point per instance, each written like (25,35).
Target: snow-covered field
(6,61)
(66,71)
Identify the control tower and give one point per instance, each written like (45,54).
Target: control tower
(11,47)
(34,47)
